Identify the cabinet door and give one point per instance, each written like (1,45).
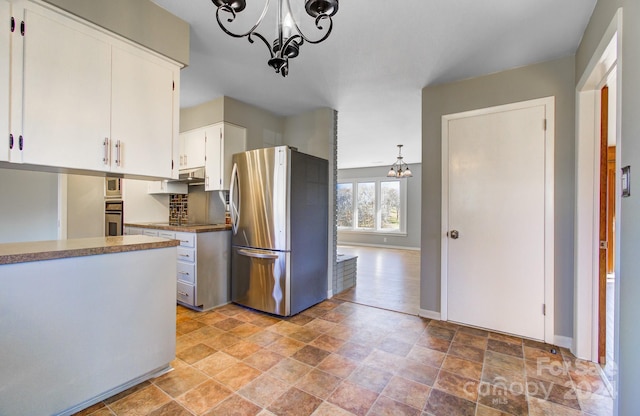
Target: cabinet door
(234,140)
(141,114)
(5,81)
(65,105)
(193,143)
(213,166)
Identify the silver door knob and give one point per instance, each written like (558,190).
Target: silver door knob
(454,234)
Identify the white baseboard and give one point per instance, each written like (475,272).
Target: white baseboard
(562,341)
(423,313)
(329,293)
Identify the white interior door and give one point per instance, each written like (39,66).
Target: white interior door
(495,220)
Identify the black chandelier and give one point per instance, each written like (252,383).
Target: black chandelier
(290,37)
(399,169)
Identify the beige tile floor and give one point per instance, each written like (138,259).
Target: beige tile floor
(341,358)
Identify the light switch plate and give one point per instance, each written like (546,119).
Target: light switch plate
(626,181)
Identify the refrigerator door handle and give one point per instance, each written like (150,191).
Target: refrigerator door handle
(258,254)
(233,208)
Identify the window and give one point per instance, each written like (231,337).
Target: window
(366,203)
(372,205)
(390,205)
(345,205)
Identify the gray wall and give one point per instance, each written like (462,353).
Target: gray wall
(202,115)
(414,200)
(555,78)
(262,126)
(29,206)
(628,362)
(141,21)
(85,206)
(311,132)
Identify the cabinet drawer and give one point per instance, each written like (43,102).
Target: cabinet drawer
(167,234)
(186,254)
(186,293)
(186,239)
(150,233)
(186,272)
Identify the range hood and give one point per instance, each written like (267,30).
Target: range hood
(193,176)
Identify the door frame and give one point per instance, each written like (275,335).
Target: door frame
(606,57)
(549,205)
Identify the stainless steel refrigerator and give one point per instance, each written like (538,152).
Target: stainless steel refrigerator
(278,198)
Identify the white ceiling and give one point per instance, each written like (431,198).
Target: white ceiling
(377,60)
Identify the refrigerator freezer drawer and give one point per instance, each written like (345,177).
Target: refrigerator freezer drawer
(260,280)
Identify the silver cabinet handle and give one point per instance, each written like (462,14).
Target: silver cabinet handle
(185,294)
(184,255)
(105,146)
(118,150)
(184,241)
(258,254)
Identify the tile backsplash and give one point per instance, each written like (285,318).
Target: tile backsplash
(178,209)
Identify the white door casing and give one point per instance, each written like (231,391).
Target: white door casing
(606,58)
(497,167)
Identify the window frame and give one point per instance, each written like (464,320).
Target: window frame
(402,231)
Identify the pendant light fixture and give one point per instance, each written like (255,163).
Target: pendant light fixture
(399,169)
(289,36)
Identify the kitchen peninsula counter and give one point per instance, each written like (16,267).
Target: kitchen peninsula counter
(186,228)
(12,253)
(84,319)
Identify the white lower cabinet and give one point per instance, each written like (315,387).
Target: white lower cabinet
(202,271)
(132,231)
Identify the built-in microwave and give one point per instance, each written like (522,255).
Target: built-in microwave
(113,188)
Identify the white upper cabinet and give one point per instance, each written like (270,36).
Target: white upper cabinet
(5,80)
(141,114)
(192,149)
(223,141)
(86,100)
(66,93)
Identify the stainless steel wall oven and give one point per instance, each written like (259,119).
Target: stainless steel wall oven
(113,218)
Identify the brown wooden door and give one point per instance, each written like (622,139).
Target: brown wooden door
(611,208)
(604,185)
